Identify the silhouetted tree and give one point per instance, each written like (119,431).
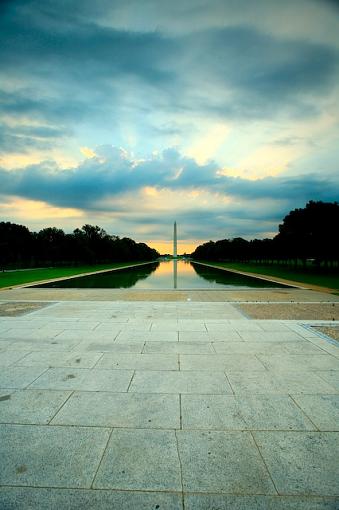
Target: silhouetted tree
(16,244)
(51,246)
(305,234)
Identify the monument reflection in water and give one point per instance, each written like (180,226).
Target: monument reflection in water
(175,273)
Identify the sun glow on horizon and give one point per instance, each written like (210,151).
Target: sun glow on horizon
(166,247)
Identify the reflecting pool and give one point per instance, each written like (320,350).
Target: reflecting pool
(171,274)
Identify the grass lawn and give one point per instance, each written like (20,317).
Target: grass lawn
(310,276)
(10,278)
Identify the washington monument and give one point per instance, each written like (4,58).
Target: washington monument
(175,241)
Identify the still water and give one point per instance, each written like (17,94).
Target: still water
(177,274)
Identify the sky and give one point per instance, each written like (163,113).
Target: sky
(130,114)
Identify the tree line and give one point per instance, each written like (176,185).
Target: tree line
(19,247)
(307,236)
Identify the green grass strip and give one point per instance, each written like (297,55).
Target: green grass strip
(310,276)
(20,277)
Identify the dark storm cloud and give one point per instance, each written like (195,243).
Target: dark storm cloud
(113,173)
(31,103)
(196,223)
(73,69)
(80,50)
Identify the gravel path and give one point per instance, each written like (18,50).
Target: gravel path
(292,311)
(329,331)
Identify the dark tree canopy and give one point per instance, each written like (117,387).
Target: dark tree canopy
(52,246)
(309,233)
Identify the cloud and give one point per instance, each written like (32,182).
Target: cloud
(114,172)
(69,67)
(243,83)
(23,138)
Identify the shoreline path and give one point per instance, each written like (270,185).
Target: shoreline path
(195,400)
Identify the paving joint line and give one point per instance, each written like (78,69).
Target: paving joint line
(304,412)
(264,462)
(28,385)
(181,474)
(186,493)
(129,385)
(167,429)
(230,385)
(180,411)
(102,456)
(60,407)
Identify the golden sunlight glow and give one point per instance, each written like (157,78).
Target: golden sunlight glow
(86,151)
(150,191)
(206,145)
(270,160)
(167,246)
(166,268)
(10,161)
(21,209)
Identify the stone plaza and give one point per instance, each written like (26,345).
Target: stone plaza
(165,400)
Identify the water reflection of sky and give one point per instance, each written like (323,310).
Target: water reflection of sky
(184,275)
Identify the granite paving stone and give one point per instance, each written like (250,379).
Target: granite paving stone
(8,357)
(19,377)
(232,362)
(48,359)
(178,348)
(220,327)
(229,462)
(109,326)
(165,325)
(249,348)
(71,325)
(17,498)
(301,462)
(230,502)
(302,331)
(191,325)
(111,402)
(270,336)
(33,334)
(147,336)
(30,406)
(303,347)
(50,345)
(135,347)
(331,377)
(180,382)
(297,362)
(84,379)
(23,324)
(267,325)
(245,325)
(44,456)
(139,361)
(88,335)
(209,336)
(323,410)
(242,412)
(140,459)
(128,410)
(131,326)
(278,382)
(324,345)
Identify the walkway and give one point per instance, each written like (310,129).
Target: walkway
(155,405)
